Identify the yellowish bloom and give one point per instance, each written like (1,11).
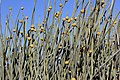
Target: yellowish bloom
(42,29)
(42,39)
(26,17)
(60,46)
(69,71)
(102,2)
(67,62)
(82,11)
(2,40)
(20,21)
(98,33)
(63,19)
(32,26)
(73,78)
(27,35)
(49,10)
(29,38)
(50,7)
(75,18)
(56,15)
(31,45)
(21,32)
(96,9)
(66,0)
(14,30)
(7,38)
(90,51)
(69,20)
(66,17)
(32,29)
(60,4)
(10,37)
(115,22)
(107,20)
(74,24)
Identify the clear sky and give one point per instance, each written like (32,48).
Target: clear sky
(28,6)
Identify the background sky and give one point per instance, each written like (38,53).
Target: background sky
(28,7)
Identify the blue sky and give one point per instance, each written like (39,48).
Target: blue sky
(28,6)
